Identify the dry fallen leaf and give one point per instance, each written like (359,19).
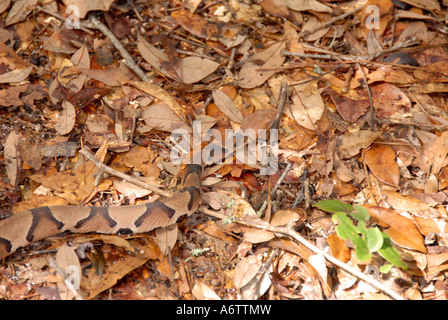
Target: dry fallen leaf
(308,5)
(351,143)
(162,117)
(194,69)
(261,66)
(381,161)
(400,229)
(66,120)
(85,6)
(12,156)
(227,106)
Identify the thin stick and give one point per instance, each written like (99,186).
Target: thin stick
(259,224)
(58,16)
(372,110)
(330,22)
(282,99)
(279,181)
(104,168)
(63,275)
(94,23)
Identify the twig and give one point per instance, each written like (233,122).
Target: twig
(63,275)
(104,168)
(372,110)
(58,16)
(94,23)
(279,181)
(282,99)
(259,224)
(330,22)
(307,55)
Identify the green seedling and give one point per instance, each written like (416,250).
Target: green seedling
(366,240)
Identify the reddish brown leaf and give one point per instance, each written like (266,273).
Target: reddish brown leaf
(400,229)
(381,161)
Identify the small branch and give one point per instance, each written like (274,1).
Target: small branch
(63,275)
(307,55)
(94,23)
(279,181)
(259,224)
(331,22)
(58,16)
(282,99)
(372,110)
(104,168)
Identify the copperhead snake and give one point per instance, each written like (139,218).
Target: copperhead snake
(36,224)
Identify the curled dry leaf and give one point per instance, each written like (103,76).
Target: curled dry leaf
(66,120)
(400,229)
(381,161)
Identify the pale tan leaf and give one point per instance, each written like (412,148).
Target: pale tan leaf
(17,75)
(12,156)
(130,190)
(227,106)
(245,270)
(284,217)
(19,11)
(307,105)
(162,95)
(162,117)
(195,69)
(166,238)
(154,57)
(66,120)
(68,261)
(85,6)
(202,292)
(432,157)
(308,5)
(350,143)
(4,4)
(430,5)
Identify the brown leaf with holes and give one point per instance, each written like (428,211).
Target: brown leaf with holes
(381,161)
(400,229)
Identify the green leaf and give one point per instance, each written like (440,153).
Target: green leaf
(374,239)
(333,206)
(346,230)
(361,213)
(386,268)
(391,254)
